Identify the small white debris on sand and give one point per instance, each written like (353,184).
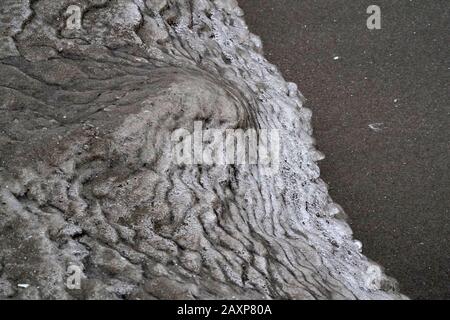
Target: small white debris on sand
(23,285)
(376,126)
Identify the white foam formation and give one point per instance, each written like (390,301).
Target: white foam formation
(99,189)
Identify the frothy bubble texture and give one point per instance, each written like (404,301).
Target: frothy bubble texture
(86,176)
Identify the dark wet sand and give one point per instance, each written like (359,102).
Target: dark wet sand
(393,183)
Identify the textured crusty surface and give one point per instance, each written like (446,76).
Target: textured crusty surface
(87,179)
